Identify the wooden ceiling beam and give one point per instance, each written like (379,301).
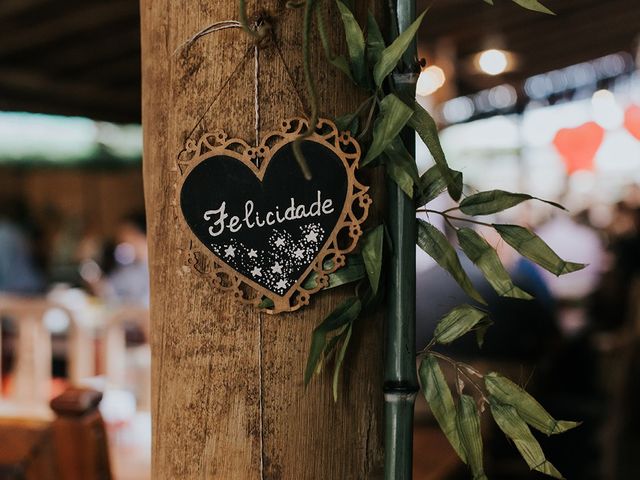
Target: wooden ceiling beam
(74,92)
(9,8)
(107,72)
(85,19)
(75,57)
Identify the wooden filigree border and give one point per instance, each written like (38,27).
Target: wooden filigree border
(331,256)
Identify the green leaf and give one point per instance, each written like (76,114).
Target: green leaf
(433,241)
(391,55)
(486,259)
(355,43)
(266,302)
(352,271)
(438,396)
(528,408)
(349,122)
(493,201)
(341,64)
(517,430)
(468,424)
(346,312)
(375,40)
(534,5)
(337,61)
(331,344)
(490,2)
(424,124)
(535,249)
(393,116)
(401,166)
(459,321)
(372,245)
(431,184)
(346,336)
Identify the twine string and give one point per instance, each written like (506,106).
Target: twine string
(261,31)
(214,27)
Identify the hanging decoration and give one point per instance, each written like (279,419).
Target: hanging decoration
(632,121)
(578,146)
(259,229)
(268,223)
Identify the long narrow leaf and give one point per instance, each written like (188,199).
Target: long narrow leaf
(372,245)
(431,184)
(347,312)
(340,360)
(424,124)
(517,430)
(438,396)
(355,43)
(433,241)
(534,5)
(375,40)
(393,116)
(486,259)
(349,122)
(535,249)
(353,271)
(508,393)
(468,424)
(391,55)
(337,61)
(401,166)
(493,201)
(457,322)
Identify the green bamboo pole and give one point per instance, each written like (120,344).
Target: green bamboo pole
(400,378)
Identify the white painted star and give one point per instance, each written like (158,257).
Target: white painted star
(298,253)
(256,272)
(311,236)
(281,284)
(277,268)
(252,253)
(279,242)
(230,251)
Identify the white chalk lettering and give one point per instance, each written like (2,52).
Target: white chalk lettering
(252,218)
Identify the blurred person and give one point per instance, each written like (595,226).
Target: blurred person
(128,281)
(18,270)
(523,330)
(611,301)
(573,238)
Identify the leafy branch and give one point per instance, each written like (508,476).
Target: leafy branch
(372,64)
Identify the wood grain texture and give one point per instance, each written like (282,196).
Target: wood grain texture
(228,395)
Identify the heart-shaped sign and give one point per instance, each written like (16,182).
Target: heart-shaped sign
(578,146)
(262,223)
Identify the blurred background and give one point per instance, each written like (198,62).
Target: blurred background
(547,105)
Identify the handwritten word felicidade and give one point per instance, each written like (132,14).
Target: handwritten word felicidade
(222,220)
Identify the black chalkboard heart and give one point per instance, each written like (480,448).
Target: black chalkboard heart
(267,225)
(269,229)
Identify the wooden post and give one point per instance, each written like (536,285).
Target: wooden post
(79,436)
(228,395)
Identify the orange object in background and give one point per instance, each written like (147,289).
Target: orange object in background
(632,120)
(578,146)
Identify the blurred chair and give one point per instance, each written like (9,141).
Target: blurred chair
(73,446)
(33,354)
(128,366)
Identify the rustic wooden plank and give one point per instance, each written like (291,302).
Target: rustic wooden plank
(228,399)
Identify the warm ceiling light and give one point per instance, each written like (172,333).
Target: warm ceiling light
(430,80)
(493,62)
